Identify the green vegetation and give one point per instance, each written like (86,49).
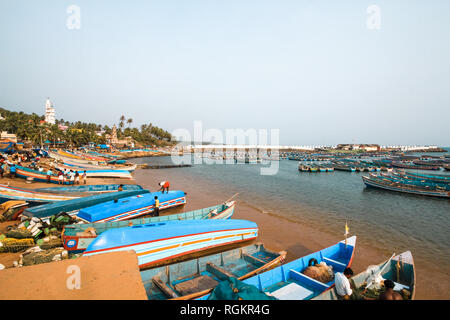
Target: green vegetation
(32,128)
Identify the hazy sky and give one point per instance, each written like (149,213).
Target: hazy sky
(312,69)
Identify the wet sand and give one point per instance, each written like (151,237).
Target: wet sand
(279,233)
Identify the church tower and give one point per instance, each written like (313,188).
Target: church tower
(49,112)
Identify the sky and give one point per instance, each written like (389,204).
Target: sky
(317,71)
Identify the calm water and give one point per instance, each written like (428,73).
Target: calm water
(396,222)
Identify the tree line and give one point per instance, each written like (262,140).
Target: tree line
(31,127)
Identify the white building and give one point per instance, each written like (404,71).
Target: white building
(49,112)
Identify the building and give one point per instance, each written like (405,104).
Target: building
(8,136)
(49,112)
(363,147)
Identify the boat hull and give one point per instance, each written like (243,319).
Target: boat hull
(75,240)
(155,243)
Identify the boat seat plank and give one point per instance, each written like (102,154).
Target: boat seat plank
(164,287)
(300,276)
(253,259)
(218,271)
(334,262)
(195,285)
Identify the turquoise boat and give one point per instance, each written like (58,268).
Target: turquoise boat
(197,277)
(77,237)
(93,188)
(381,183)
(73,206)
(32,196)
(400,269)
(160,243)
(288,282)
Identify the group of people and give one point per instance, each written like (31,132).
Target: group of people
(68,175)
(345,292)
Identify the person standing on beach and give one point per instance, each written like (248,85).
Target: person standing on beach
(156,210)
(77,177)
(72,177)
(12,171)
(164,186)
(84,176)
(120,188)
(49,175)
(60,177)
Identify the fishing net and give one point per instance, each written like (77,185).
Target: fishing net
(233,289)
(15,245)
(51,243)
(19,233)
(42,256)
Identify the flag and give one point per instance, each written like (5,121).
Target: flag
(346,229)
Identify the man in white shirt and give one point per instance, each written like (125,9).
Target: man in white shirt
(342,285)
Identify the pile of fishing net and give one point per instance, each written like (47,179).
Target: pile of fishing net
(36,255)
(233,289)
(319,271)
(15,245)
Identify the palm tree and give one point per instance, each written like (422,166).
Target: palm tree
(129,121)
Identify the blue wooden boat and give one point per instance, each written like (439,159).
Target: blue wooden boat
(73,206)
(156,243)
(371,181)
(33,197)
(429,185)
(400,269)
(427,177)
(92,188)
(197,277)
(288,282)
(131,207)
(77,237)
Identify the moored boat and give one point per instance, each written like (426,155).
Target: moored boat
(73,206)
(156,243)
(400,269)
(374,182)
(77,237)
(195,278)
(90,188)
(31,196)
(131,207)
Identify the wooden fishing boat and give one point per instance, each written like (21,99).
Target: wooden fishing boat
(288,282)
(99,173)
(195,278)
(58,156)
(428,185)
(33,197)
(428,177)
(343,167)
(77,237)
(389,185)
(25,173)
(413,166)
(80,167)
(156,243)
(131,207)
(90,188)
(74,205)
(400,269)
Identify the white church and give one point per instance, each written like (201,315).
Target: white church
(49,112)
